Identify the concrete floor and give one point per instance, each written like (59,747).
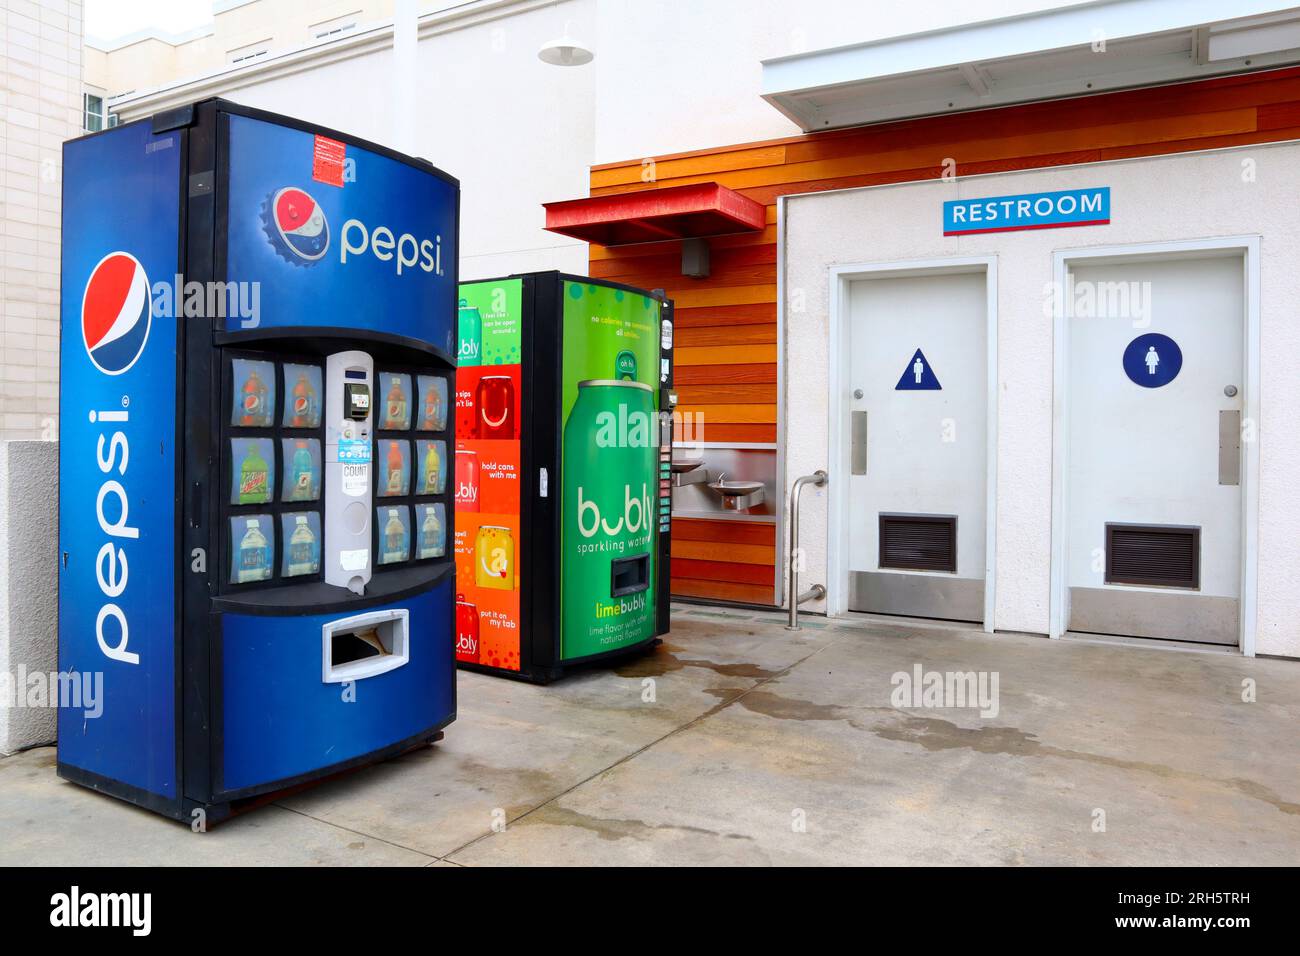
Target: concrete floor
(752,729)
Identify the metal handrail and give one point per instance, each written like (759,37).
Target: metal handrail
(817,591)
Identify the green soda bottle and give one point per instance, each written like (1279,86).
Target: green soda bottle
(254,477)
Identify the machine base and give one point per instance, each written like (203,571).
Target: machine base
(548,675)
(184,809)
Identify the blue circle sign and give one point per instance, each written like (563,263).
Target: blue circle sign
(1153,360)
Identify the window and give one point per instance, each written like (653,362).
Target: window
(245,57)
(93,109)
(330,30)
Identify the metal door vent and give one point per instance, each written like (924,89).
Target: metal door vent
(1160,555)
(918,542)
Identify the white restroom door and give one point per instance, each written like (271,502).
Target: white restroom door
(918,456)
(1158,466)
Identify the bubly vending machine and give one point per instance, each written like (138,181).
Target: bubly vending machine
(563,488)
(255,505)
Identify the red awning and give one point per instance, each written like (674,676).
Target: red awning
(695,211)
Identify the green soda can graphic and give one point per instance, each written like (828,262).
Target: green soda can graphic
(607,564)
(470,326)
(625,366)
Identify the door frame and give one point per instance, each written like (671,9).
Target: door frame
(1248,247)
(837,569)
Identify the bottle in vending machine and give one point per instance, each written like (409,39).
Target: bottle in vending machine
(395,404)
(432,416)
(304,472)
(394,540)
(304,551)
(432,541)
(256,409)
(395,483)
(254,554)
(432,473)
(304,404)
(254,477)
(467,647)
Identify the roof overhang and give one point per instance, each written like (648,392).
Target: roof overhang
(1073,51)
(695,211)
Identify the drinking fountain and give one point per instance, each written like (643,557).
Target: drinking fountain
(738,495)
(687,471)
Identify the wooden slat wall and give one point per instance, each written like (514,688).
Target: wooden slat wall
(726,324)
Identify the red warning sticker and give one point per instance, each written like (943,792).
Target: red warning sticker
(327,161)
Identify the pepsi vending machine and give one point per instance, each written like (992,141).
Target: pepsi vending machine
(563,491)
(255,512)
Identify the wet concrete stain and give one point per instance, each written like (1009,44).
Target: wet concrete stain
(787,708)
(935,734)
(608,829)
(665,660)
(516,781)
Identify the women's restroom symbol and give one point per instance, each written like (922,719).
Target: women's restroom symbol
(1152,360)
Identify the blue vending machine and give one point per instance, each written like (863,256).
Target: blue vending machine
(255,517)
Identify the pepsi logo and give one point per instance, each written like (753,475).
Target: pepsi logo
(300,224)
(116,313)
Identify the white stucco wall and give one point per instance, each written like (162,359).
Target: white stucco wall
(674,76)
(28,581)
(1189,196)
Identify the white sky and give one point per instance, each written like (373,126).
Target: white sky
(109,19)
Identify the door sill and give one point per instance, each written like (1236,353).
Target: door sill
(903,620)
(1154,643)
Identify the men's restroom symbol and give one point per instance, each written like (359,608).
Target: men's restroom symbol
(1152,360)
(918,376)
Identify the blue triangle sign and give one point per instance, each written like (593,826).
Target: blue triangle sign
(918,376)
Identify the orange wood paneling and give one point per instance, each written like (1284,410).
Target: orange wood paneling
(727,335)
(726,332)
(722,571)
(729,532)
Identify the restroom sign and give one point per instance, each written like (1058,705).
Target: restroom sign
(1152,360)
(918,376)
(1055,210)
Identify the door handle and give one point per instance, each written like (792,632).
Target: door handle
(858,443)
(1229,447)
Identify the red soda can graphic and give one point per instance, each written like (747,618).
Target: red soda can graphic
(466,480)
(466,630)
(495,400)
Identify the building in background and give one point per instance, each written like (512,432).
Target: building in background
(744,105)
(40,73)
(241,33)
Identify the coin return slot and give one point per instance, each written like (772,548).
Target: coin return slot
(364,646)
(629,575)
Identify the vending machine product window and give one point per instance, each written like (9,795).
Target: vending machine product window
(302,390)
(300,532)
(394,389)
(432,415)
(411,467)
(273,468)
